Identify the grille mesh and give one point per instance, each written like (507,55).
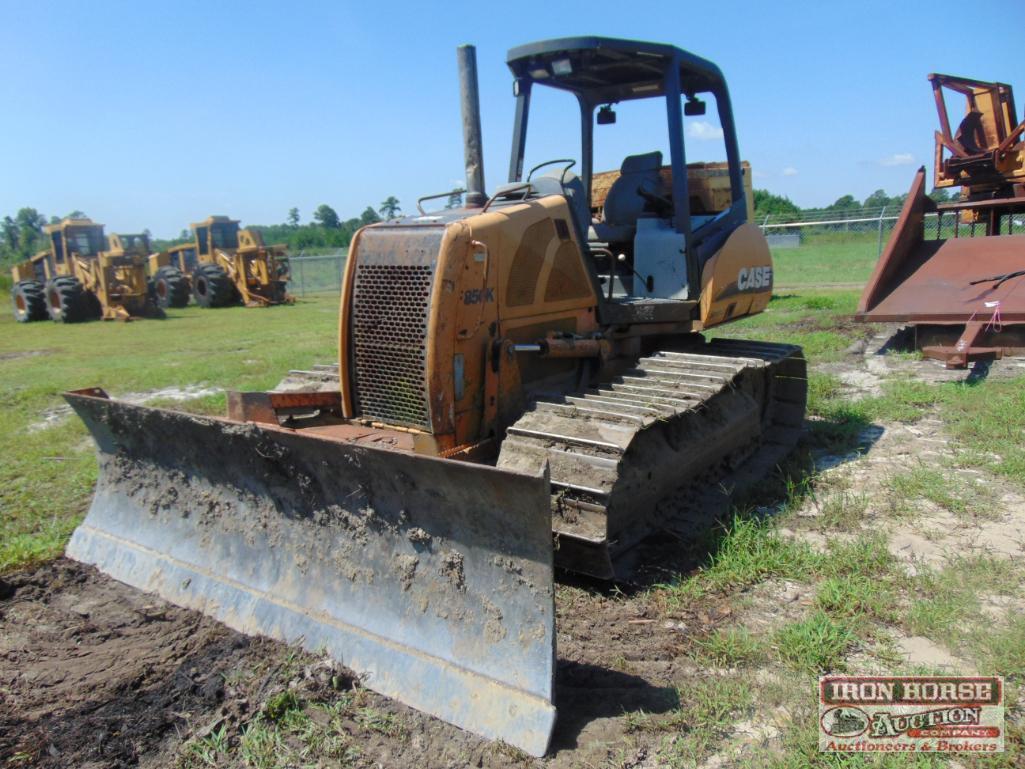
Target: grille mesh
(389,318)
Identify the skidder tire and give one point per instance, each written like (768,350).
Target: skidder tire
(94,307)
(170,289)
(29,301)
(67,302)
(212,287)
(279,291)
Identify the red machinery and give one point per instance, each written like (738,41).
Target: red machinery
(975,280)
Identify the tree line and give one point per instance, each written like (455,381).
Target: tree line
(768,204)
(326,229)
(21,235)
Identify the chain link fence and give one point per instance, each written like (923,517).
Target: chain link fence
(825,248)
(841,248)
(314,273)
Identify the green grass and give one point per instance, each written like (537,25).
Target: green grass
(207,751)
(816,644)
(800,750)
(859,585)
(295,725)
(856,598)
(811,307)
(731,647)
(818,262)
(836,421)
(307,734)
(379,721)
(708,709)
(280,705)
(46,475)
(865,556)
(986,420)
(750,551)
(843,510)
(944,489)
(1002,649)
(820,321)
(989,419)
(903,400)
(947,605)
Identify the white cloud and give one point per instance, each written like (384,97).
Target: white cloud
(789,171)
(898,159)
(703,131)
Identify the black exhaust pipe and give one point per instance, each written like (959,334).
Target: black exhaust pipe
(473,146)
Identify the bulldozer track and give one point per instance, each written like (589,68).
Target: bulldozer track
(672,424)
(675,420)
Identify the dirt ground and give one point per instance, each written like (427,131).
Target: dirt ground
(96,674)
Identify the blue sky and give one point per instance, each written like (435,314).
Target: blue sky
(148,114)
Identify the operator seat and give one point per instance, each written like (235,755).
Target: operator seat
(624,204)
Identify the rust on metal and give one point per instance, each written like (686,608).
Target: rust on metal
(934,283)
(986,150)
(266,406)
(972,282)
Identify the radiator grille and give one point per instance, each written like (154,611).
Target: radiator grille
(389,342)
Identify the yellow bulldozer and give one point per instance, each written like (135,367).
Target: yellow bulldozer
(523,382)
(82,276)
(223,265)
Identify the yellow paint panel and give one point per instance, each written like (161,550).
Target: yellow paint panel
(737,281)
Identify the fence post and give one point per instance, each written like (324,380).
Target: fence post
(879,245)
(302,280)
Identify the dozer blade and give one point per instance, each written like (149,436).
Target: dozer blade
(431,578)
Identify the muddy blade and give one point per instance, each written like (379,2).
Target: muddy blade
(432,578)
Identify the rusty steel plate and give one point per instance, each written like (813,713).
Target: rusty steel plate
(934,284)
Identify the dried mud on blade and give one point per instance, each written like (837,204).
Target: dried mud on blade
(431,578)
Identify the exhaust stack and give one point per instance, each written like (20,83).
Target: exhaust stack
(473,146)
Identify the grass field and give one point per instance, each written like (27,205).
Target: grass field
(47,472)
(824,263)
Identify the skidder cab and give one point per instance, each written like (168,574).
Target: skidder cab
(222,265)
(79,277)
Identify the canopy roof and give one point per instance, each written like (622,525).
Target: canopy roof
(603,69)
